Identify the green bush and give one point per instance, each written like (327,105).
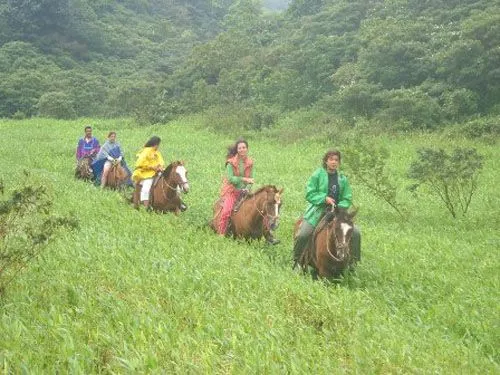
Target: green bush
(367,165)
(26,227)
(56,105)
(452,177)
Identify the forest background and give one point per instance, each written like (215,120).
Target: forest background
(399,65)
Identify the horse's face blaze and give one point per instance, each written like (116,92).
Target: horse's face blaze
(273,208)
(343,232)
(182,180)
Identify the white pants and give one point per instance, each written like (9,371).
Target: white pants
(146,187)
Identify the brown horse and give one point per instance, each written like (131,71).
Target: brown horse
(83,169)
(116,177)
(255,216)
(329,252)
(164,195)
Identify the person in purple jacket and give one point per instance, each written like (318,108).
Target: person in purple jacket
(87,145)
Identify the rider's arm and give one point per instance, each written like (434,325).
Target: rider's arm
(97,146)
(345,197)
(234,180)
(313,193)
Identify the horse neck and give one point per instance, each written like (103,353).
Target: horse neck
(253,207)
(168,184)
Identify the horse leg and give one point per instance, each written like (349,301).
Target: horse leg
(314,273)
(136,196)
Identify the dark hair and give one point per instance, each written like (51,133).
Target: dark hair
(233,149)
(330,153)
(111,133)
(88,127)
(153,141)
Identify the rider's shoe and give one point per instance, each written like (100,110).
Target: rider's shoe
(273,241)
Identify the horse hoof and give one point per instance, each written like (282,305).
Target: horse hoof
(273,241)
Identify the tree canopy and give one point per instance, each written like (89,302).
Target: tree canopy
(418,64)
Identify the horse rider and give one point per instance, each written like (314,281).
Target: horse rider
(149,163)
(110,152)
(87,145)
(239,177)
(326,188)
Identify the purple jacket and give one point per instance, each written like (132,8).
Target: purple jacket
(87,148)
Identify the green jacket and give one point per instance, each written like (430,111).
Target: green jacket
(317,191)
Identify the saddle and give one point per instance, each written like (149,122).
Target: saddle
(241,197)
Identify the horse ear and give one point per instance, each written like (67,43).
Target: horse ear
(281,191)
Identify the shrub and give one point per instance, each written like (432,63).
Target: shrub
(453,177)
(56,105)
(26,227)
(367,163)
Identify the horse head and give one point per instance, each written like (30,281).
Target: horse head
(272,205)
(83,168)
(176,175)
(339,228)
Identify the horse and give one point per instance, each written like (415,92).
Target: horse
(83,169)
(116,177)
(164,194)
(329,252)
(255,215)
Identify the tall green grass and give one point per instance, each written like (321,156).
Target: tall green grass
(138,292)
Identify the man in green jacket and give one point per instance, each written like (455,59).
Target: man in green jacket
(326,187)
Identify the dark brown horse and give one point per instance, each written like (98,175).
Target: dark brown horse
(83,169)
(164,195)
(116,177)
(255,216)
(329,252)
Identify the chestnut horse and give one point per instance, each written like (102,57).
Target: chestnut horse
(329,252)
(116,177)
(255,216)
(83,169)
(164,194)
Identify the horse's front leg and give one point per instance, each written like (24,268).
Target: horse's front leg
(136,196)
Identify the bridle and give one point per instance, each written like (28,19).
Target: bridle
(174,188)
(338,245)
(266,216)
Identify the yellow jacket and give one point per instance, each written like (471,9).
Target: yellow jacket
(148,159)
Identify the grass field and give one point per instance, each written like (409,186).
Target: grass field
(135,292)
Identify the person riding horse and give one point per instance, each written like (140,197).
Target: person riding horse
(87,145)
(238,179)
(109,154)
(149,163)
(326,187)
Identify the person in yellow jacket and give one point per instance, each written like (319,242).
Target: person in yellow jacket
(149,162)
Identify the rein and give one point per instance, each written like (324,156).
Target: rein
(265,215)
(328,244)
(164,182)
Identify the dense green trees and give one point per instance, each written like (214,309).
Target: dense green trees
(404,63)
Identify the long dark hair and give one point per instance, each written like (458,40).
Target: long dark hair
(233,149)
(153,141)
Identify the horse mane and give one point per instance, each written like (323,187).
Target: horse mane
(171,166)
(340,213)
(259,190)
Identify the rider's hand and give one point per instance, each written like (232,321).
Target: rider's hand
(330,201)
(248,180)
(159,168)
